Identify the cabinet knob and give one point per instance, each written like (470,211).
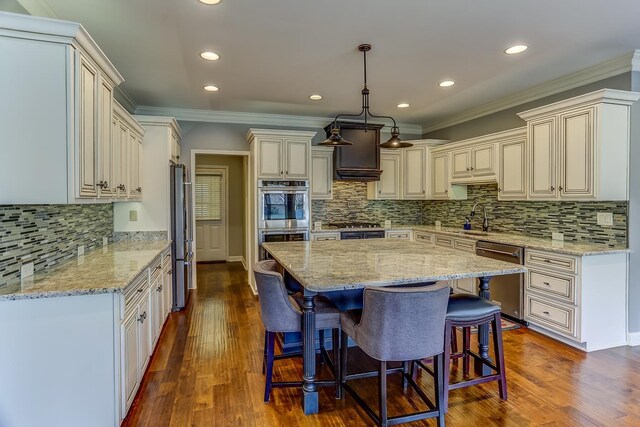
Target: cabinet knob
(423,191)
(287,172)
(467,169)
(553,188)
(560,188)
(139,189)
(178,157)
(499,190)
(446,191)
(471,167)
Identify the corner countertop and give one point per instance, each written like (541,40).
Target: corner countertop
(105,270)
(528,242)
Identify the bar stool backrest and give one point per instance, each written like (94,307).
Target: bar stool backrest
(276,309)
(405,323)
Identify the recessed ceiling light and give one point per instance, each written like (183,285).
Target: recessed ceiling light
(211,88)
(210,1)
(516,49)
(446,83)
(210,56)
(315,97)
(403,105)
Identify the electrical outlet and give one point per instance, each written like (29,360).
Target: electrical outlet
(105,241)
(557,236)
(133,215)
(80,250)
(605,218)
(26,270)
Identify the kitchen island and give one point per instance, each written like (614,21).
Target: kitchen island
(334,266)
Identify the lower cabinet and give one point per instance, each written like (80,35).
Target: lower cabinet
(325,236)
(399,234)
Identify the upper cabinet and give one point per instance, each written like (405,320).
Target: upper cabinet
(321,173)
(578,148)
(415,172)
(389,186)
(127,142)
(473,161)
(281,154)
(441,179)
(58,137)
(512,180)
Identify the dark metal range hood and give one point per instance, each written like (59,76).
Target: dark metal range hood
(360,161)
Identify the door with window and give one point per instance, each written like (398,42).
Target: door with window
(210,209)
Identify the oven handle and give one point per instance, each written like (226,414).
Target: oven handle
(511,254)
(287,191)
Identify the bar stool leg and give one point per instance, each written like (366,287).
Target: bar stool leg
(466,346)
(382,393)
(438,380)
(497,345)
(344,350)
(335,344)
(269,371)
(264,353)
(405,372)
(454,343)
(322,349)
(447,366)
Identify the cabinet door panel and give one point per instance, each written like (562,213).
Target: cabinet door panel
(511,183)
(440,176)
(389,185)
(460,164)
(297,159)
(321,176)
(129,358)
(482,163)
(144,334)
(123,155)
(542,141)
(86,168)
(105,140)
(576,154)
(270,159)
(133,166)
(415,168)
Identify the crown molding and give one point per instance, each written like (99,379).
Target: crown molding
(160,121)
(39,8)
(125,100)
(613,67)
(257,119)
(490,138)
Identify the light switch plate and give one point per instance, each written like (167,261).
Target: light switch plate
(387,223)
(133,215)
(26,270)
(605,218)
(557,236)
(105,241)
(80,250)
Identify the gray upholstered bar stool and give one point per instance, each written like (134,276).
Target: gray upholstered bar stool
(281,313)
(466,311)
(399,324)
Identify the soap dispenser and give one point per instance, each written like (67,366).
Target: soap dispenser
(467,223)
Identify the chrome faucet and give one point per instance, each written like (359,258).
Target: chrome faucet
(485,221)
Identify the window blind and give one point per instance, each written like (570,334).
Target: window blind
(208,204)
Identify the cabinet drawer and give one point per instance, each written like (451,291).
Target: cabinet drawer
(465,245)
(551,261)
(326,236)
(135,291)
(424,237)
(398,234)
(557,317)
(562,287)
(444,241)
(156,267)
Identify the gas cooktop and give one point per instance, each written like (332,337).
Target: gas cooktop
(355,224)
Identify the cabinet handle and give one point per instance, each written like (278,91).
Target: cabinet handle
(560,188)
(141,289)
(139,189)
(122,187)
(546,283)
(546,312)
(423,191)
(499,190)
(471,167)
(178,157)
(446,191)
(553,188)
(159,288)
(287,172)
(158,267)
(467,169)
(170,272)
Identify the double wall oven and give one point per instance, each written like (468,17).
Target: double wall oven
(283,211)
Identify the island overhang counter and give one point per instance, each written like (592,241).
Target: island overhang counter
(333,266)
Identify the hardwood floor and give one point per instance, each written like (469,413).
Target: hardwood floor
(207,367)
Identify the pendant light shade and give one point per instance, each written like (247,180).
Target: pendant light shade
(395,141)
(335,139)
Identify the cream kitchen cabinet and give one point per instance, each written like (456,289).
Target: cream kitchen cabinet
(58,135)
(442,188)
(174,147)
(321,173)
(415,172)
(322,236)
(281,154)
(390,185)
(127,148)
(512,179)
(578,148)
(474,164)
(399,234)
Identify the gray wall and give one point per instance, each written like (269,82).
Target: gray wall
(12,6)
(49,234)
(508,119)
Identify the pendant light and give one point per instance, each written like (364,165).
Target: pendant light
(335,139)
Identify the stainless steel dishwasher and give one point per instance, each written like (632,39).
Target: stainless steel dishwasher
(506,290)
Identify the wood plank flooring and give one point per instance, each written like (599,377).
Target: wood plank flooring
(206,371)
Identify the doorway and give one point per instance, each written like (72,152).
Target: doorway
(212,213)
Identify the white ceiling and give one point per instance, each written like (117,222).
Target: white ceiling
(275,53)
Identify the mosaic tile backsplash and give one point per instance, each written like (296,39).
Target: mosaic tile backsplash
(577,220)
(49,234)
(350,203)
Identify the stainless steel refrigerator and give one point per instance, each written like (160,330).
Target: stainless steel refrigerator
(181,235)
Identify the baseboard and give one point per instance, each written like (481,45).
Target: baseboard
(235,258)
(633,339)
(244,264)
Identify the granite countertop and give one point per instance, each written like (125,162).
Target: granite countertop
(105,270)
(529,242)
(323,266)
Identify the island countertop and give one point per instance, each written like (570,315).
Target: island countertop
(104,270)
(324,266)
